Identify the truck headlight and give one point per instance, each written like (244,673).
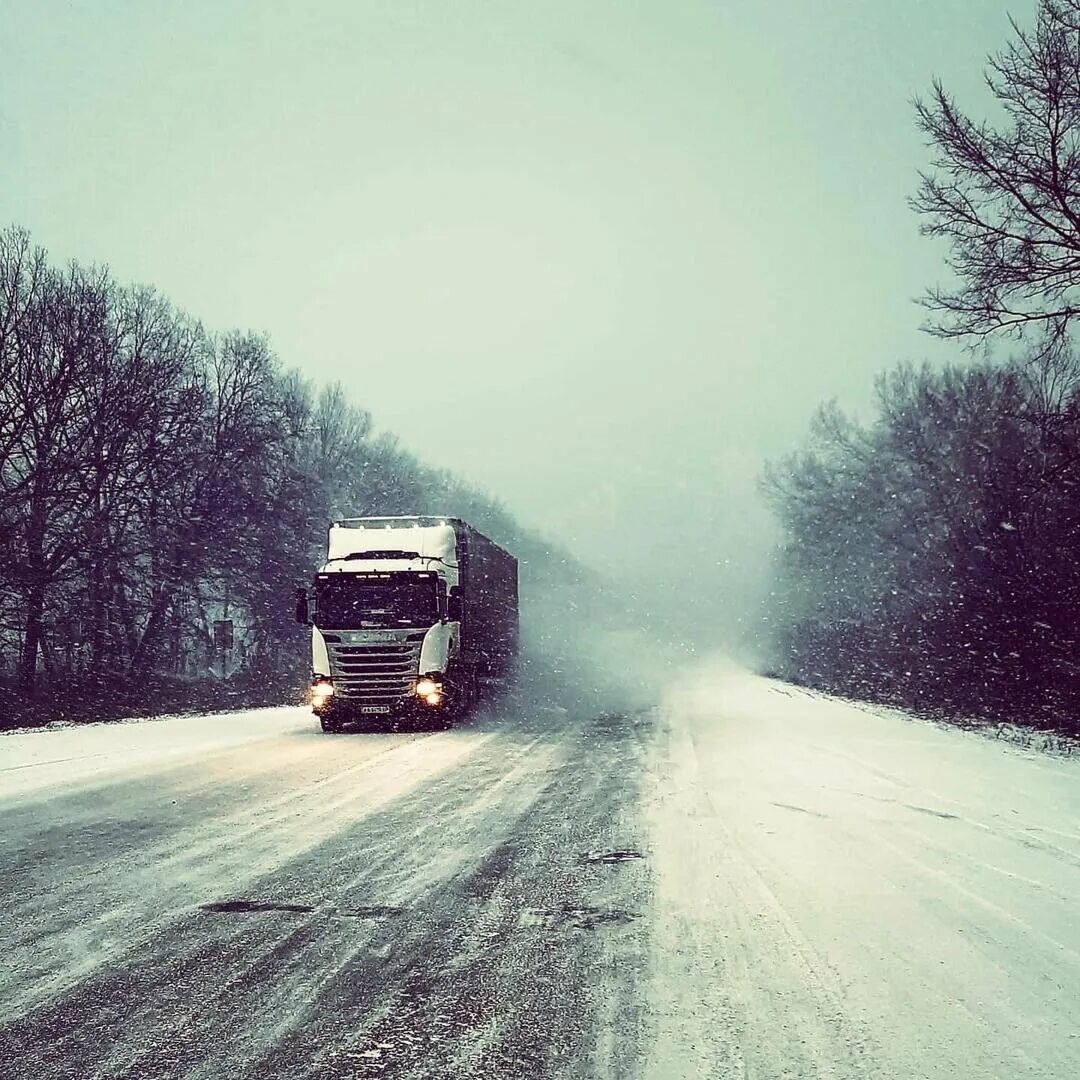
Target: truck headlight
(426,687)
(322,692)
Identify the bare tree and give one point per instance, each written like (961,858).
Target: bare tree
(149,469)
(56,371)
(206,489)
(1007,196)
(929,555)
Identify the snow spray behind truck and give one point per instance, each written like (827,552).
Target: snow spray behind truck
(407,615)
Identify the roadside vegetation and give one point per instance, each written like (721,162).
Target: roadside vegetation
(156,479)
(931,555)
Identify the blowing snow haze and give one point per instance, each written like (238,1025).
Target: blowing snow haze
(482,284)
(601,259)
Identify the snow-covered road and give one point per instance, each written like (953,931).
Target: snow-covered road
(744,881)
(857,895)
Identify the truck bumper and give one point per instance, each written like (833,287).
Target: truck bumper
(408,714)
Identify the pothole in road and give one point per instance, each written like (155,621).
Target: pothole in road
(575,918)
(375,911)
(244,907)
(611,856)
(241,907)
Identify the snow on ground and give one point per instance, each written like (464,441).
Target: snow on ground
(60,756)
(810,888)
(844,893)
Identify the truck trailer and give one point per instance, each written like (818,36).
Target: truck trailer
(408,616)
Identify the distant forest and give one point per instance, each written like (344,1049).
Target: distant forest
(932,555)
(156,477)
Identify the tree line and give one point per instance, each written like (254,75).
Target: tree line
(155,475)
(931,556)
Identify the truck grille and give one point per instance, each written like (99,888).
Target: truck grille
(377,673)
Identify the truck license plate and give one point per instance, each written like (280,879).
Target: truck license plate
(374,708)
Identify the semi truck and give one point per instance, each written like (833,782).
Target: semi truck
(409,617)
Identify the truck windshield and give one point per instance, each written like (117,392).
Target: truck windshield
(348,603)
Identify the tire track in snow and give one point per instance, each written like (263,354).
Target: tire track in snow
(776,1004)
(57,938)
(484,900)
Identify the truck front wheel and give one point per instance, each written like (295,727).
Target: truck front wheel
(330,724)
(465,692)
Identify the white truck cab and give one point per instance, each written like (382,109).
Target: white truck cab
(407,614)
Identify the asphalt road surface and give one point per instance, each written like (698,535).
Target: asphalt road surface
(743,881)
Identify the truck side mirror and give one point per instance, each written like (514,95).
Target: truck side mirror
(454,605)
(302,613)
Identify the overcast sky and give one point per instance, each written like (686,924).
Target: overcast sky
(601,257)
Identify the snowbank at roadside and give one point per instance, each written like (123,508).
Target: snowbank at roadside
(67,753)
